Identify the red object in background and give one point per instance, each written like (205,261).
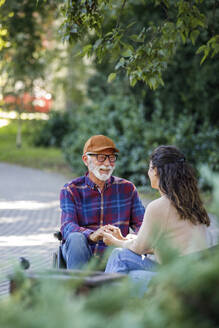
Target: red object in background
(29,103)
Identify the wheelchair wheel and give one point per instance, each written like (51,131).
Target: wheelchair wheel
(58,260)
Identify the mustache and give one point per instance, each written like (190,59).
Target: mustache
(105,167)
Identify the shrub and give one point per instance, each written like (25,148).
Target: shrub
(122,121)
(52,131)
(126,122)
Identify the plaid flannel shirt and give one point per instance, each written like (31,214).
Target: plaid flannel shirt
(85,208)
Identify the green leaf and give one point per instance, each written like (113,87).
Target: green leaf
(127,53)
(152,82)
(87,50)
(133,80)
(111,77)
(97,43)
(131,24)
(193,36)
(201,49)
(135,37)
(108,34)
(120,63)
(183,38)
(207,50)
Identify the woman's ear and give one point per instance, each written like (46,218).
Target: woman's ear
(155,171)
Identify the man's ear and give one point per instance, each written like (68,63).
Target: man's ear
(85,159)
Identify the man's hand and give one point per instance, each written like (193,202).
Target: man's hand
(110,229)
(97,235)
(114,231)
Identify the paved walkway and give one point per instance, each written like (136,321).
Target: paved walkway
(29,214)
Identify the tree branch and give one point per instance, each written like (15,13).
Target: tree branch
(120,14)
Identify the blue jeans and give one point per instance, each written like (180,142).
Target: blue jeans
(139,268)
(76,250)
(123,260)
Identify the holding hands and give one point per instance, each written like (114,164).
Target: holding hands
(97,235)
(108,233)
(112,236)
(114,231)
(110,240)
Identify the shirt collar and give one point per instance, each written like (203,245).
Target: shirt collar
(93,185)
(88,181)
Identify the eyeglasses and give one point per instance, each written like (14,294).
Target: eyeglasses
(101,157)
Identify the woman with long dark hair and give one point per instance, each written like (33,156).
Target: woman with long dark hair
(177,219)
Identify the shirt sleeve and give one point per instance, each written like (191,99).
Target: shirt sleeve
(69,219)
(149,233)
(137,211)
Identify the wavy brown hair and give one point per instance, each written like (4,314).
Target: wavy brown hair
(177,181)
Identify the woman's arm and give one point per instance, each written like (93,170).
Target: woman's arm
(148,234)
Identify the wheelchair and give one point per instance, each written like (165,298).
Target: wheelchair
(58,259)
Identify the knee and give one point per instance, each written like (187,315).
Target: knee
(116,261)
(121,253)
(76,238)
(116,252)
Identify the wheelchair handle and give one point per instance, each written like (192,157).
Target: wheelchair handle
(58,235)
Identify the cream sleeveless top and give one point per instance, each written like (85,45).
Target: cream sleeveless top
(162,226)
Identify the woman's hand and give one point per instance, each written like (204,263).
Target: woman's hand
(114,231)
(110,240)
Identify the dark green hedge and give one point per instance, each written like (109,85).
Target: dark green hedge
(125,121)
(52,131)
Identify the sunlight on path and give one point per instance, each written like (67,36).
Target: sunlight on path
(3,122)
(29,215)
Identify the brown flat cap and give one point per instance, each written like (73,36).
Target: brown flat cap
(99,143)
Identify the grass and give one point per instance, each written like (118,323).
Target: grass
(49,159)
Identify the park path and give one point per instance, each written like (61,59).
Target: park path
(29,215)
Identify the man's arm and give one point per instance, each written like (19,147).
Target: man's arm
(69,220)
(136,218)
(137,212)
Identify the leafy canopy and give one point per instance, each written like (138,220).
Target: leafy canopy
(143,52)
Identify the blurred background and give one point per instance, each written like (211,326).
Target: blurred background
(52,100)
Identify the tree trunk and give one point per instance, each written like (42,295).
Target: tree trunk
(18,137)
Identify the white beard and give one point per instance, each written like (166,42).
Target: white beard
(96,170)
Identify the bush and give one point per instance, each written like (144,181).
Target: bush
(121,120)
(126,122)
(52,131)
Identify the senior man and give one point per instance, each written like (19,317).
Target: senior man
(97,202)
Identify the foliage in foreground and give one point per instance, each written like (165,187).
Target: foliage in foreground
(184,294)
